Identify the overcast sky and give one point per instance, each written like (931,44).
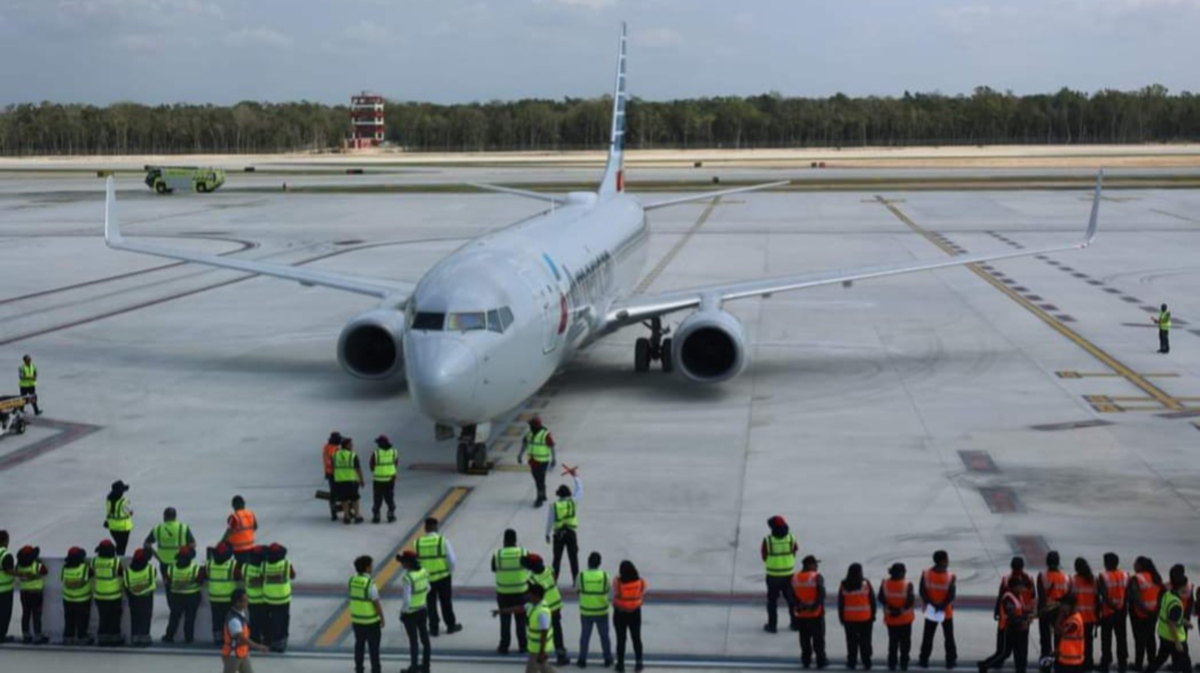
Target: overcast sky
(222,51)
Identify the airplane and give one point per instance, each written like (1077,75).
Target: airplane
(486,327)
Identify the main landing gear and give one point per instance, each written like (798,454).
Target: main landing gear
(655,348)
(472,454)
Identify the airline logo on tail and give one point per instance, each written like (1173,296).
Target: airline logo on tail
(614,174)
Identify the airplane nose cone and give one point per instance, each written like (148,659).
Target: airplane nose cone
(442,373)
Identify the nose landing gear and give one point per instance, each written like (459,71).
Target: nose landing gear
(655,348)
(472,454)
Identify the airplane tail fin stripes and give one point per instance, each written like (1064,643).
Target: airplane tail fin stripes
(614,172)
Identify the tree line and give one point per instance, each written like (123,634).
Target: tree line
(985,117)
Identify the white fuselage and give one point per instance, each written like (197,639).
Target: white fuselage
(550,280)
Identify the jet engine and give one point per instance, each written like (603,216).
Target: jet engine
(371,346)
(710,347)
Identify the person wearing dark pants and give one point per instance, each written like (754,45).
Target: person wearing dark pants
(540,445)
(1163,320)
(415,583)
(436,555)
(808,590)
(856,612)
(562,523)
(1052,585)
(384,462)
(8,586)
(778,552)
(222,572)
(32,574)
(1145,588)
(897,598)
(512,582)
(118,517)
(552,598)
(331,447)
(141,579)
(1069,650)
(184,580)
(1173,622)
(27,377)
(366,614)
(278,574)
(76,581)
(1111,588)
(1013,628)
(252,574)
(938,590)
(629,591)
(107,574)
(595,602)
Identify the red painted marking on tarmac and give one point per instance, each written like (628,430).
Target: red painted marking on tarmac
(978,461)
(1001,499)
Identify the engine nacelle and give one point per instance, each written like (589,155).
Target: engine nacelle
(371,346)
(710,347)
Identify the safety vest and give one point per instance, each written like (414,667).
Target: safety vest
(327,458)
(856,604)
(1115,582)
(106,578)
(536,636)
(1055,584)
(31,577)
(243,649)
(277,582)
(8,581)
(895,596)
(362,608)
(535,443)
(170,536)
(805,585)
(220,580)
(565,515)
(81,593)
(1164,323)
(252,574)
(182,581)
(781,557)
(511,577)
(343,467)
(937,587)
(1085,598)
(627,596)
(1018,608)
(1148,591)
(418,585)
(385,464)
(1027,595)
(242,537)
(141,582)
(431,552)
(1071,643)
(28,377)
(551,596)
(1170,600)
(594,588)
(119,520)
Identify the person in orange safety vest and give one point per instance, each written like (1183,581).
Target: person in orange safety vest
(897,596)
(856,612)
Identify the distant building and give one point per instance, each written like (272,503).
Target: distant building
(366,120)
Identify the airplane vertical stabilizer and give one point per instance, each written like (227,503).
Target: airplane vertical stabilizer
(614,172)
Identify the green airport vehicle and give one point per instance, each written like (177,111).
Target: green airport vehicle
(168,179)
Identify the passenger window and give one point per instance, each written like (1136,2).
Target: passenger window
(494,323)
(429,321)
(507,316)
(465,322)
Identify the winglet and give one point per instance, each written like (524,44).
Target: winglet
(112,230)
(1095,219)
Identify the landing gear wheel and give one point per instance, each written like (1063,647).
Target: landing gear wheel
(668,365)
(464,458)
(641,355)
(479,456)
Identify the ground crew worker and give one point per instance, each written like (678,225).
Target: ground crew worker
(384,463)
(629,590)
(32,575)
(808,588)
(1144,589)
(595,599)
(240,529)
(1070,655)
(938,590)
(366,615)
(1013,627)
(347,480)
(165,540)
(8,586)
(540,626)
(437,558)
(235,652)
(184,580)
(222,572)
(1163,320)
(27,376)
(562,522)
(256,603)
(552,597)
(778,551)
(415,583)
(1173,625)
(512,582)
(277,575)
(1087,602)
(856,612)
(76,580)
(1027,594)
(897,596)
(331,447)
(542,456)
(118,517)
(1111,588)
(141,580)
(1052,585)
(106,593)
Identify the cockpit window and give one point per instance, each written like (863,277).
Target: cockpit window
(494,324)
(465,322)
(507,316)
(429,321)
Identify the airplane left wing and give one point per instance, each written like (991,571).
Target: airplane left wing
(636,309)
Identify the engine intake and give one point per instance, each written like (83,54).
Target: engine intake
(710,347)
(371,346)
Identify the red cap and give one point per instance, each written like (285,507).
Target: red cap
(536,420)
(535,558)
(27,549)
(275,546)
(139,554)
(382,440)
(223,548)
(409,554)
(106,543)
(777,521)
(75,551)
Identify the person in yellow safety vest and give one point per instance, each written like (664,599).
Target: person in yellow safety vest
(541,575)
(436,555)
(539,624)
(1163,320)
(384,463)
(366,615)
(141,580)
(223,574)
(415,583)
(778,551)
(27,377)
(542,455)
(167,538)
(252,576)
(277,575)
(347,480)
(562,523)
(106,593)
(1173,623)
(8,586)
(118,517)
(595,603)
(31,573)
(512,582)
(184,580)
(76,580)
